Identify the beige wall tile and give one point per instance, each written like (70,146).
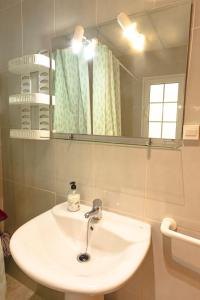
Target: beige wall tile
(123,203)
(196,13)
(10,35)
(74,162)
(68,14)
(37,15)
(165,177)
(9,85)
(13,158)
(121,169)
(39,164)
(23,203)
(5,4)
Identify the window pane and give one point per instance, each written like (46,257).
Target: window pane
(170,112)
(169,131)
(154,130)
(156,93)
(155,112)
(171,92)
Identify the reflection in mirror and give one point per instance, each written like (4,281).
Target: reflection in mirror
(125,77)
(72,113)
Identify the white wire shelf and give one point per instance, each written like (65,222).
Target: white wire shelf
(30,134)
(30,63)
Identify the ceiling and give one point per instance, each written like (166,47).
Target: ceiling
(164,28)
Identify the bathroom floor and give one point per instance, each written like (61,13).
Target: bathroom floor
(16,290)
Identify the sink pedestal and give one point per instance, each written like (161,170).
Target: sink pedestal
(74,296)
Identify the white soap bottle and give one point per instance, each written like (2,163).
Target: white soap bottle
(73,198)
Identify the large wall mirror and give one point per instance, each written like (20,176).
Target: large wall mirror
(123,78)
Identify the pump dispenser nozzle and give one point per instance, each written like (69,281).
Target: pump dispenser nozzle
(73,185)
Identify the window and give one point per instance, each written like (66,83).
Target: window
(163,106)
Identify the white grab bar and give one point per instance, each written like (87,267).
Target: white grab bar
(167,228)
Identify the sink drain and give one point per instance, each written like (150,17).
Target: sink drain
(83,257)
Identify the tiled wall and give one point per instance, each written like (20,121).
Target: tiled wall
(146,184)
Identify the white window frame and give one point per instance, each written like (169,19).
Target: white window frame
(164,79)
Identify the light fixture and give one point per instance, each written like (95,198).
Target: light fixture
(124,20)
(77,39)
(130,31)
(89,49)
(138,42)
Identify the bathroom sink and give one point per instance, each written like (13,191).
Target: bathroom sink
(47,249)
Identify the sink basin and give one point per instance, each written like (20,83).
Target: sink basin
(46,249)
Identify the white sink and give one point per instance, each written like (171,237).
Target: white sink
(46,249)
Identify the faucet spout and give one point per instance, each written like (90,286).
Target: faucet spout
(96,211)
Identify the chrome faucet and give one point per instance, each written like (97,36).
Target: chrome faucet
(96,211)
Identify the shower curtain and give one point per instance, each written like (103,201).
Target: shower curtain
(72,95)
(106,93)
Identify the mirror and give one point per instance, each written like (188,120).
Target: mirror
(125,77)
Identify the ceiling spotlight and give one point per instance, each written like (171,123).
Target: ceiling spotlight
(124,20)
(77,39)
(130,31)
(138,42)
(89,49)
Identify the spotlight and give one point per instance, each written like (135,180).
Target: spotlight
(77,39)
(130,31)
(89,49)
(138,42)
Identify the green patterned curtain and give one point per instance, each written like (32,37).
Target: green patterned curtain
(72,94)
(106,93)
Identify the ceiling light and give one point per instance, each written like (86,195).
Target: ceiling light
(89,49)
(130,32)
(123,20)
(138,42)
(77,39)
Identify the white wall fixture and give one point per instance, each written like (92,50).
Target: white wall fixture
(168,227)
(35,97)
(191,132)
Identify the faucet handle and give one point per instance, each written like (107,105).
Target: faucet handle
(97,203)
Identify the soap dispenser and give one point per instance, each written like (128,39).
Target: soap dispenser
(73,198)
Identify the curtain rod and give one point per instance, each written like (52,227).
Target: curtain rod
(128,71)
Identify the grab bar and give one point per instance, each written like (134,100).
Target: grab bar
(167,228)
